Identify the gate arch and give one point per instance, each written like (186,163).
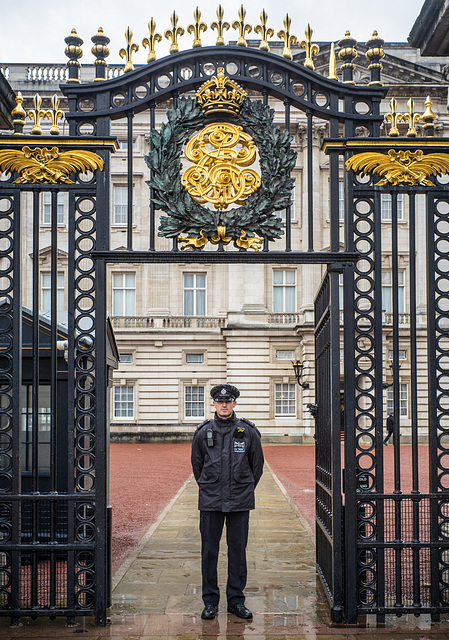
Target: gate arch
(351,543)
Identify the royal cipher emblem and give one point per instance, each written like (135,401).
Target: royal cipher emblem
(235,156)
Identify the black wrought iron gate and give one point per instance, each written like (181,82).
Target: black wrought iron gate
(387,549)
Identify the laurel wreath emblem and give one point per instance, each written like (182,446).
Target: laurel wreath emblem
(256,217)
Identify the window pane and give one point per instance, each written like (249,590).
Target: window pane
(285,355)
(278,277)
(278,302)
(194,401)
(200,303)
(290,277)
(188,302)
(285,399)
(194,358)
(188,280)
(123,402)
(201,280)
(290,302)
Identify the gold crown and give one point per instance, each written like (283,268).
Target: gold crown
(222,94)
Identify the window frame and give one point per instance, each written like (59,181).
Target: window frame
(284,286)
(124,214)
(127,418)
(196,291)
(194,385)
(60,291)
(60,208)
(124,312)
(291,387)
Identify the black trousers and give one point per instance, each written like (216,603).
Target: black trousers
(211,528)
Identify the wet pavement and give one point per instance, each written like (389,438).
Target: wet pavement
(157,592)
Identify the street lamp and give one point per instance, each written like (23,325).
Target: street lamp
(390,364)
(297,368)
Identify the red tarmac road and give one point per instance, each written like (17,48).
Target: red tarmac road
(145,477)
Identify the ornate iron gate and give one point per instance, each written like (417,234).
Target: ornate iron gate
(363,564)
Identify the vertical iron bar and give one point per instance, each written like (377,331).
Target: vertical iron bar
(414,400)
(334,199)
(53,388)
(130,181)
(432,401)
(35,400)
(152,211)
(71,375)
(288,210)
(378,407)
(309,115)
(16,334)
(265,103)
(396,404)
(396,389)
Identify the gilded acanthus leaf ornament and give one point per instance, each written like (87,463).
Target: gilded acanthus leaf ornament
(40,165)
(401,167)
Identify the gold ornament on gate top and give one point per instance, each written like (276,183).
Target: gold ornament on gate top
(221,152)
(220,94)
(218,152)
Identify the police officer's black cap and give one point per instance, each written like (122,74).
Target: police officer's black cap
(224,393)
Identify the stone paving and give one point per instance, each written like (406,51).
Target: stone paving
(157,592)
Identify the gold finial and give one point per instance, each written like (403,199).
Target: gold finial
(174,33)
(265,32)
(128,52)
(219,26)
(151,41)
(36,115)
(347,54)
(196,28)
(411,118)
(289,40)
(18,114)
(54,115)
(428,117)
(332,64)
(242,27)
(100,51)
(374,56)
(73,51)
(311,49)
(393,118)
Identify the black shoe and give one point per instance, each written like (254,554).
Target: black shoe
(209,612)
(240,611)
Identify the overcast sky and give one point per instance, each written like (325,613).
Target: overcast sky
(32,31)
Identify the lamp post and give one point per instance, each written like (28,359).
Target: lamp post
(386,385)
(297,368)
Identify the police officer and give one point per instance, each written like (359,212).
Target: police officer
(227,462)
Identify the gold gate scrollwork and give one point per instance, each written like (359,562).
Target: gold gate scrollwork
(218,152)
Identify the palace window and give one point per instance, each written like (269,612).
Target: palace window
(387,291)
(284,291)
(386,207)
(194,401)
(285,400)
(46,207)
(194,358)
(121,205)
(403,400)
(46,292)
(285,354)
(194,294)
(124,402)
(123,294)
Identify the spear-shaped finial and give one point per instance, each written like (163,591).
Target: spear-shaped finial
(289,40)
(242,27)
(150,42)
(220,26)
(127,52)
(311,49)
(265,32)
(196,28)
(174,33)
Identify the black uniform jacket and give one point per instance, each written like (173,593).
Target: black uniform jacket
(227,472)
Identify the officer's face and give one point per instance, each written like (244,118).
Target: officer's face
(224,409)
